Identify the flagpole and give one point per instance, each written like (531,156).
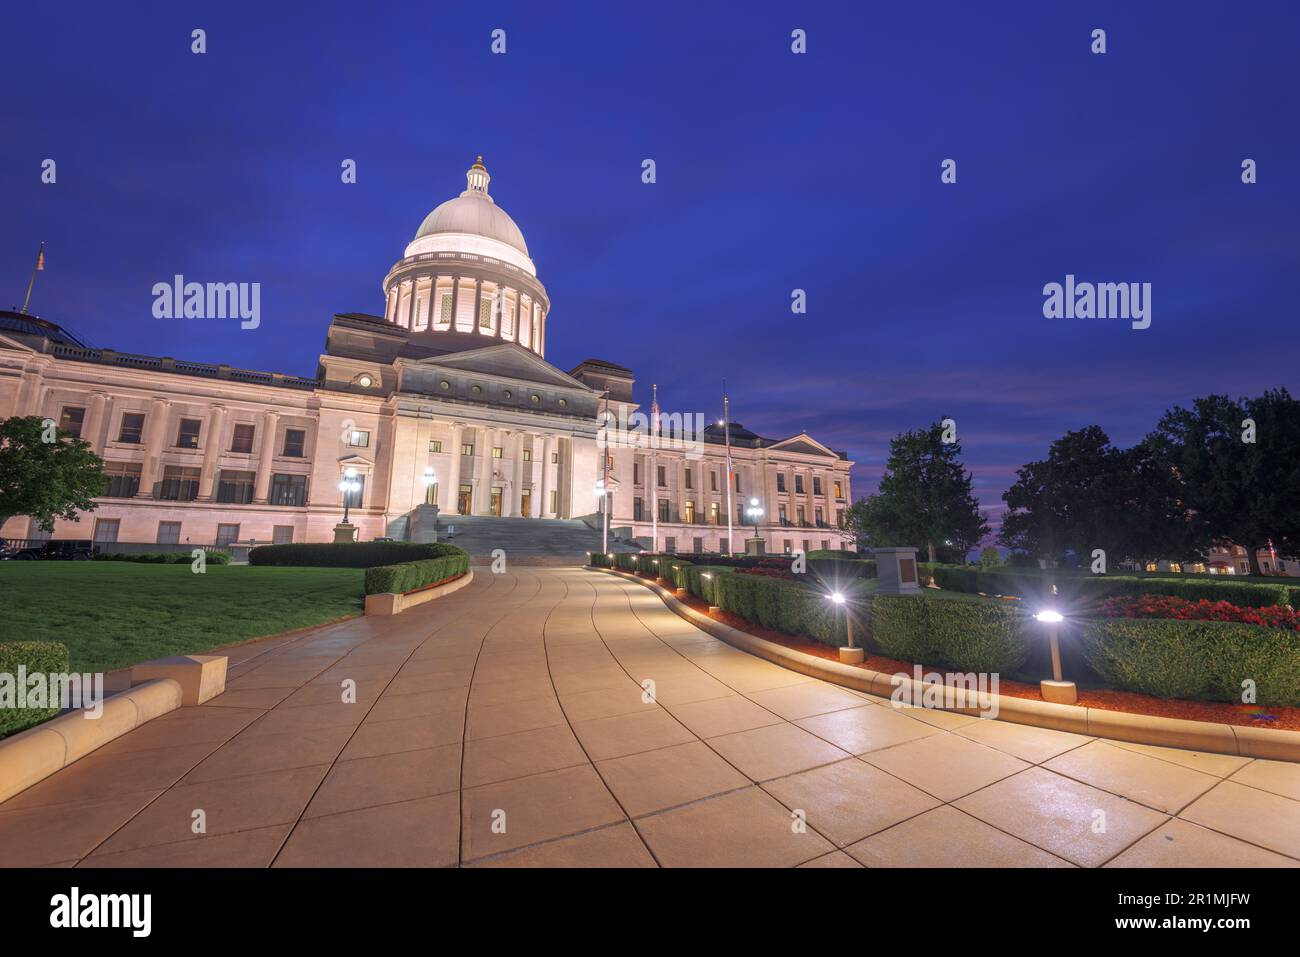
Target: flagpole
(731,482)
(604,481)
(652,480)
(39,264)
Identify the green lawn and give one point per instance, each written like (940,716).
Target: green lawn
(113,614)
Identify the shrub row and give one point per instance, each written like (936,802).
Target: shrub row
(981,635)
(1195,659)
(39,657)
(789,606)
(701,580)
(1011,581)
(348,554)
(165,558)
(409,576)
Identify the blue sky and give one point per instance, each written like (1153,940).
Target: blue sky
(775,172)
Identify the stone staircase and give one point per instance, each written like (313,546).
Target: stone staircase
(568,540)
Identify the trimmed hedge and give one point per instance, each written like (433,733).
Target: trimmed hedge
(39,657)
(349,554)
(165,558)
(1194,659)
(981,635)
(703,588)
(1014,581)
(599,560)
(788,606)
(409,576)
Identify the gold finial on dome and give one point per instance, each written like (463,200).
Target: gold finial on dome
(477,177)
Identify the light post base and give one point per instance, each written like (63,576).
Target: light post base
(345,532)
(851,656)
(1059,692)
(755,546)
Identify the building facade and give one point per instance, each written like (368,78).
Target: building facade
(445,399)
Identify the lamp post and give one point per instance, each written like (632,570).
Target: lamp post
(603,492)
(755,545)
(850,654)
(430,479)
(1057,690)
(344,532)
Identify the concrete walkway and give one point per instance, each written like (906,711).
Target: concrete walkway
(506,725)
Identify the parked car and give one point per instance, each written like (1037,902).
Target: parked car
(61,549)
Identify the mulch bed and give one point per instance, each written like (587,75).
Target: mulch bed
(1219,712)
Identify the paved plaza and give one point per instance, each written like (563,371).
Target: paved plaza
(564,717)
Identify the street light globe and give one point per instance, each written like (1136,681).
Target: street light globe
(837,598)
(1050,617)
(350,473)
(753,501)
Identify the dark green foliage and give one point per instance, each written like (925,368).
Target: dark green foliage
(349,554)
(164,558)
(983,635)
(1194,659)
(39,657)
(409,576)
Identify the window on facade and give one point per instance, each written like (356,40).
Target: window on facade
(661,475)
(798,484)
(638,508)
(356,498)
(282,535)
(713,513)
(467,448)
(802,515)
(780,513)
(132,427)
(123,479)
(106,529)
(555,502)
(179,484)
(497,451)
(288,490)
(71,420)
(664,513)
(241,439)
(713,481)
(235,488)
(839,517)
(187,436)
(697,544)
(789,546)
(817,485)
(528,455)
(359,439)
(690,513)
(826,543)
(444,311)
(839,490)
(690,481)
(737,481)
(435,445)
(295,441)
(555,458)
(227,534)
(780,481)
(485,313)
(169,533)
(670,545)
(817,512)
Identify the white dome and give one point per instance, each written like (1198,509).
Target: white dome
(475,213)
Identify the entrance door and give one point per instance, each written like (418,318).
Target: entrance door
(526,504)
(462,499)
(495,507)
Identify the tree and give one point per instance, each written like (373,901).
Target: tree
(925,499)
(1237,467)
(45,472)
(990,557)
(1088,495)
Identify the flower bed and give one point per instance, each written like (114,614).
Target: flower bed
(1181,609)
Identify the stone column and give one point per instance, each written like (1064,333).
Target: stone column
(151,470)
(517,475)
(455,299)
(484,504)
(448,505)
(211,449)
(262,483)
(100,404)
(478,305)
(769,490)
(548,446)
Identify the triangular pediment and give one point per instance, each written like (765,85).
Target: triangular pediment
(504,361)
(802,444)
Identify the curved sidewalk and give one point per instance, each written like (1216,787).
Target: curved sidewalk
(507,724)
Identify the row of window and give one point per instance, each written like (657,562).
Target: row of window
(169,533)
(698,546)
(498,451)
(131,432)
(181,484)
(661,479)
(689,516)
